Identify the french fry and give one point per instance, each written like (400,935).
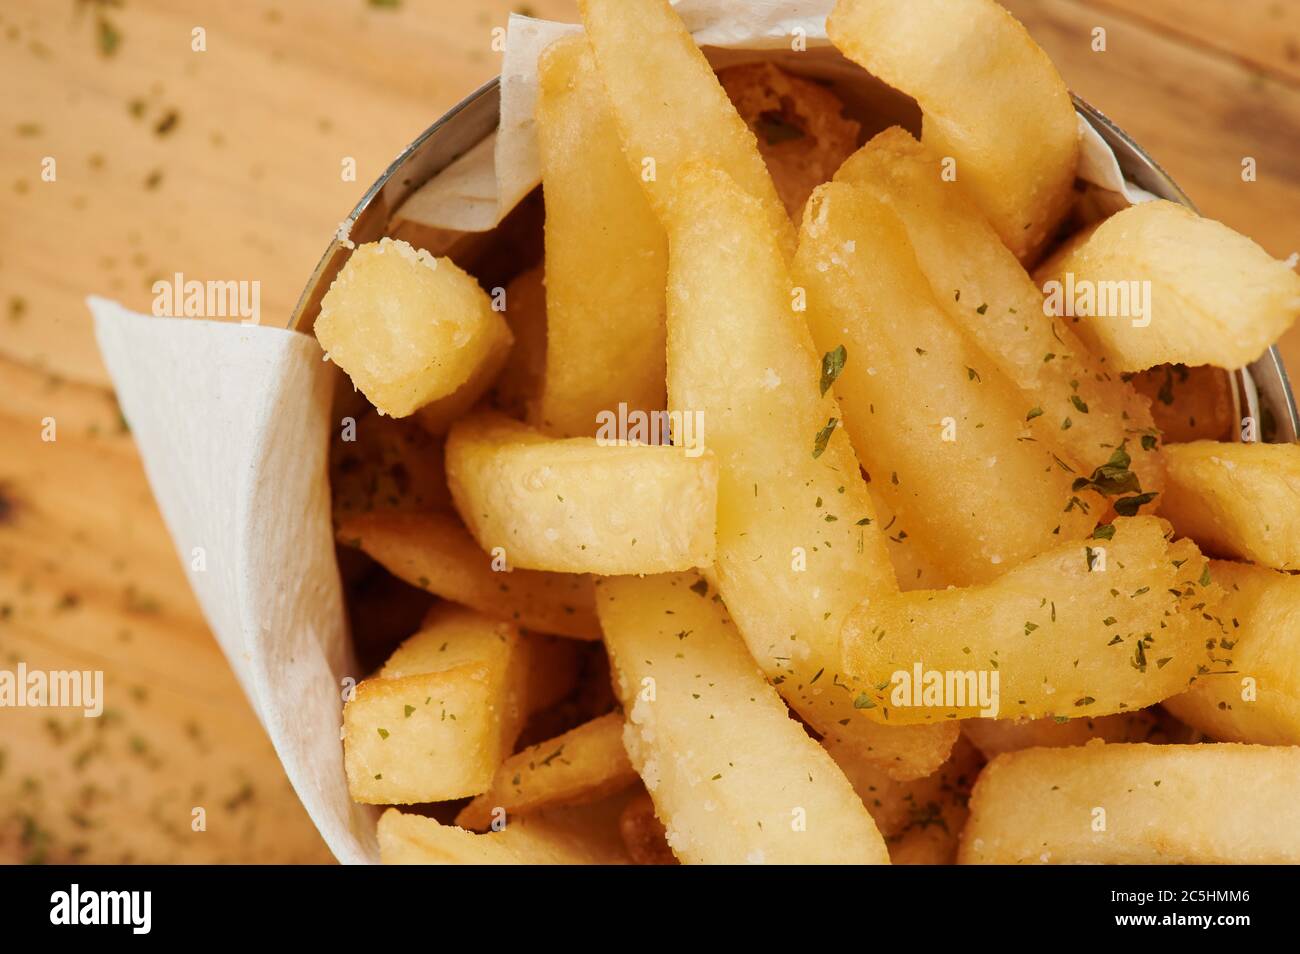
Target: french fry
(1188,404)
(1137,804)
(1258,699)
(734,778)
(991,101)
(604,249)
(920,820)
(407,328)
(436,553)
(1237,500)
(518,388)
(797,540)
(441,715)
(684,115)
(578,506)
(436,417)
(995,736)
(1082,630)
(923,405)
(1070,394)
(582,765)
(1158,284)
(803,134)
(406,839)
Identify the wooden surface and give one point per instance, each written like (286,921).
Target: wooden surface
(225,164)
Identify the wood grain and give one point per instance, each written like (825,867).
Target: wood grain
(226,164)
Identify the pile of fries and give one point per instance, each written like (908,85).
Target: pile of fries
(811,502)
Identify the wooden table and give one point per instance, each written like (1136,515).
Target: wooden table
(226,164)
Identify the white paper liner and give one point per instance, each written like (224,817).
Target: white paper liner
(233,423)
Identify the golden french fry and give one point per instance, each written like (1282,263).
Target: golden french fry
(993,104)
(797,540)
(435,552)
(408,328)
(436,417)
(803,134)
(940,429)
(441,715)
(1258,698)
(1067,393)
(582,765)
(734,778)
(1081,630)
(406,839)
(1137,804)
(921,819)
(995,736)
(1237,500)
(606,255)
(1158,284)
(684,115)
(578,506)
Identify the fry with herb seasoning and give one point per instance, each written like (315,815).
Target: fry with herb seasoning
(923,406)
(734,778)
(798,543)
(582,765)
(1073,397)
(441,714)
(1082,630)
(1257,698)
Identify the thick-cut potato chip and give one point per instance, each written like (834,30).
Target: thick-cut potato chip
(408,328)
(991,100)
(435,552)
(579,506)
(798,543)
(733,777)
(995,736)
(684,115)
(1158,284)
(582,765)
(803,134)
(1189,404)
(406,839)
(518,388)
(441,715)
(920,819)
(1237,500)
(1137,804)
(940,429)
(1085,629)
(1070,397)
(606,255)
(1258,699)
